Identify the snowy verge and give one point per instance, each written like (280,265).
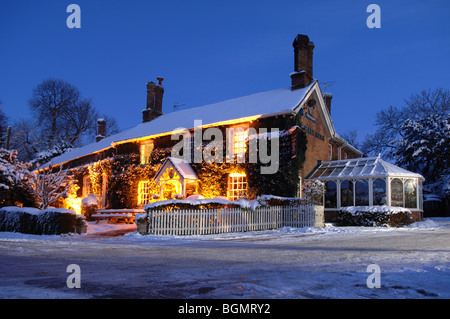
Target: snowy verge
(285,233)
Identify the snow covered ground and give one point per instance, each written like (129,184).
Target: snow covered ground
(289,263)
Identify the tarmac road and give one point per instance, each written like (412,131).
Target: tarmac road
(413,263)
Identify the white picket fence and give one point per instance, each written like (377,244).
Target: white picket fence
(215,221)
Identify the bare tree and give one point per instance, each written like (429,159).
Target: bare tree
(25,139)
(351,137)
(3,126)
(62,114)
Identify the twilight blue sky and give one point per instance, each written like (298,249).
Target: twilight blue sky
(209,51)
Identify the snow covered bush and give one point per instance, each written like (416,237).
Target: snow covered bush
(374,216)
(15,184)
(314,191)
(89,206)
(52,221)
(425,148)
(50,186)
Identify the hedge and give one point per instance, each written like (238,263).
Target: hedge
(378,216)
(51,221)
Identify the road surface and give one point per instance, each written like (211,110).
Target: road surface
(414,263)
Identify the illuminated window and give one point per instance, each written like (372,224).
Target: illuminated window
(87,186)
(144,193)
(239,141)
(146,151)
(237,186)
(397,192)
(410,193)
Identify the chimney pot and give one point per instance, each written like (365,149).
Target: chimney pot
(151,95)
(327,97)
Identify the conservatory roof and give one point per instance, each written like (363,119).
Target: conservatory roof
(363,167)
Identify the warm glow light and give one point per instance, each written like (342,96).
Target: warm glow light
(73,203)
(237,174)
(144,193)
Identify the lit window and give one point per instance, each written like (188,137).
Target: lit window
(146,151)
(410,193)
(240,137)
(397,192)
(87,186)
(144,193)
(237,186)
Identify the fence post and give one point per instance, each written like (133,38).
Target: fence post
(319,216)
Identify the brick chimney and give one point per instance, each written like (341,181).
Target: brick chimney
(159,92)
(154,101)
(101,130)
(303,62)
(327,97)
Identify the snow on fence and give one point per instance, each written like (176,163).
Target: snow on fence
(214,221)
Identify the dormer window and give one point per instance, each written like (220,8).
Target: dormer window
(146,151)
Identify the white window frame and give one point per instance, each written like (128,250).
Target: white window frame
(144,196)
(87,185)
(237,186)
(239,141)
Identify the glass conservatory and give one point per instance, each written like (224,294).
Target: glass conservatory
(368,181)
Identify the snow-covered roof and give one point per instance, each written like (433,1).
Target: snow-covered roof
(264,104)
(363,167)
(183,168)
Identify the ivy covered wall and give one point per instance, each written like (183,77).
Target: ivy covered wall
(123,171)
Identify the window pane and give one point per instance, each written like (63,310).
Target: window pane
(347,193)
(330,194)
(144,194)
(362,193)
(379,192)
(396,192)
(410,194)
(237,186)
(146,151)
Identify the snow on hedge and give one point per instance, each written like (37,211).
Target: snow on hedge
(198,200)
(374,209)
(50,221)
